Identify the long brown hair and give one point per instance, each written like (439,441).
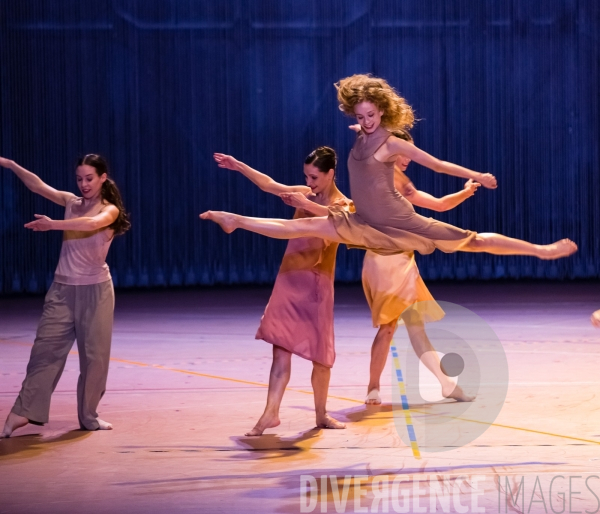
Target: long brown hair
(109,192)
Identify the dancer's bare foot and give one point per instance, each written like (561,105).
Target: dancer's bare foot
(13,422)
(326,421)
(104,425)
(225,219)
(456,393)
(562,248)
(267,420)
(373,397)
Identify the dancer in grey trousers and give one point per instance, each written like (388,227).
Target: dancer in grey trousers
(80,303)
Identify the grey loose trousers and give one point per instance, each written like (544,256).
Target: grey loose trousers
(70,312)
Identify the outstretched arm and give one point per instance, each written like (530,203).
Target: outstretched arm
(445,203)
(87,224)
(264,182)
(36,184)
(398,146)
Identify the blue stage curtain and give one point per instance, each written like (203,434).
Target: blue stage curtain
(157,86)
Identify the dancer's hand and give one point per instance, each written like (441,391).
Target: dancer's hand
(226,161)
(355,128)
(42,224)
(5,163)
(471,187)
(295,199)
(488,180)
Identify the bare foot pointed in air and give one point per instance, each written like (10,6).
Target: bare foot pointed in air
(225,219)
(456,393)
(267,420)
(13,422)
(104,425)
(373,397)
(562,248)
(326,421)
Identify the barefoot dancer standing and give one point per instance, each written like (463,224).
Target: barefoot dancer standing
(80,302)
(392,283)
(384,220)
(299,316)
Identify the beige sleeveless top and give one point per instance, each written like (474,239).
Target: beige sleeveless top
(82,258)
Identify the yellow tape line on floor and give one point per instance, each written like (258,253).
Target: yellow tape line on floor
(353,400)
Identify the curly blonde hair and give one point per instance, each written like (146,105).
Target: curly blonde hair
(351,91)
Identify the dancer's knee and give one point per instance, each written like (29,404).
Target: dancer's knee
(281,354)
(485,239)
(319,368)
(282,361)
(477,242)
(413,319)
(386,331)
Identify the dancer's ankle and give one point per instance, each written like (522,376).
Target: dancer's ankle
(13,422)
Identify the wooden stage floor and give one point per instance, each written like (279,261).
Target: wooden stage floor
(187,379)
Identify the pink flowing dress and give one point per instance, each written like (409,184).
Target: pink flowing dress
(299,315)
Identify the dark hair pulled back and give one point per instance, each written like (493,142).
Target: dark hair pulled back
(109,192)
(323,158)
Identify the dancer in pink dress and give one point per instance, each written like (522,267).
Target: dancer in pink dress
(299,316)
(384,220)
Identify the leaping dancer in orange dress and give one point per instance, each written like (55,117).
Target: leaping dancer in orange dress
(392,283)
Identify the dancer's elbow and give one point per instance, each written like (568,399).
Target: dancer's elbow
(442,206)
(270,186)
(91,224)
